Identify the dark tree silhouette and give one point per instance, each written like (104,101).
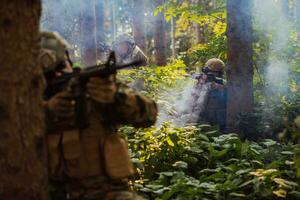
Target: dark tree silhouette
(240,61)
(199,36)
(159,36)
(22,150)
(138,23)
(100,32)
(285,7)
(88,33)
(297,4)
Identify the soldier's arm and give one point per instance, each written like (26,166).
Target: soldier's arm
(59,112)
(129,107)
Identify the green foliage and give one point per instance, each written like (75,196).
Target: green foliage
(156,79)
(276,89)
(199,163)
(209,17)
(181,163)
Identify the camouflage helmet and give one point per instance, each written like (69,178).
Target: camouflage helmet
(123,38)
(53,49)
(215,65)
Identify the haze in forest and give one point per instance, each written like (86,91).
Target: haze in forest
(271,19)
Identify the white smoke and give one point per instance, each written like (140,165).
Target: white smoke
(277,72)
(272,19)
(182,107)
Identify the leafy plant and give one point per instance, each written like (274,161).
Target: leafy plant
(199,163)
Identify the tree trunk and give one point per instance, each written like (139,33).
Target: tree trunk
(55,12)
(173,37)
(88,35)
(159,36)
(285,8)
(138,23)
(100,34)
(297,4)
(199,36)
(22,140)
(240,61)
(113,20)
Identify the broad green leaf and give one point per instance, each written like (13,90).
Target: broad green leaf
(180,164)
(170,142)
(234,194)
(287,153)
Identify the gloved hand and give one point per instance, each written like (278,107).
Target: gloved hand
(61,105)
(102,90)
(216,86)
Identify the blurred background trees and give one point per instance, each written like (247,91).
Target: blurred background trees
(262,52)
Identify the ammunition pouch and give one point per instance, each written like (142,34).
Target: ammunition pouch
(72,152)
(55,160)
(116,157)
(88,155)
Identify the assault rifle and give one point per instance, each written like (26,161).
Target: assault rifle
(210,78)
(76,83)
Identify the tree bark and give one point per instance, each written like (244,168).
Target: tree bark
(285,8)
(55,12)
(159,36)
(297,4)
(100,33)
(22,140)
(240,60)
(138,23)
(199,35)
(113,20)
(173,37)
(88,35)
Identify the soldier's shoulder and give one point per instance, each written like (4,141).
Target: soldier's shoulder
(123,87)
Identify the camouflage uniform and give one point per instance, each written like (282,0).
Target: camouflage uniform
(215,101)
(95,160)
(94,163)
(215,106)
(134,52)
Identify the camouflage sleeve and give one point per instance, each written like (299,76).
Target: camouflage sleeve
(130,108)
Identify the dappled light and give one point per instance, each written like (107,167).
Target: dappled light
(150,99)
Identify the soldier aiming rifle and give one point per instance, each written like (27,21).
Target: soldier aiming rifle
(88,156)
(213,110)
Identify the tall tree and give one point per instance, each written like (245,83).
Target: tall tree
(173,37)
(159,36)
(54,12)
(100,33)
(297,5)
(240,60)
(88,33)
(22,150)
(285,7)
(199,36)
(113,19)
(138,23)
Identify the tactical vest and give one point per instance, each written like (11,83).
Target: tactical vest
(95,151)
(215,108)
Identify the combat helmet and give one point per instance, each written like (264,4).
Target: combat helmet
(215,65)
(124,38)
(53,49)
